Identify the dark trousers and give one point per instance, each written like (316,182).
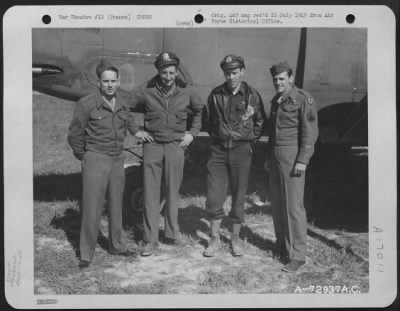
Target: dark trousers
(159,158)
(100,171)
(287,198)
(228,165)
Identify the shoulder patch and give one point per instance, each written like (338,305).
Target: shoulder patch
(309,98)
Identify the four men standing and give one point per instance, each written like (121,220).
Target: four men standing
(233,117)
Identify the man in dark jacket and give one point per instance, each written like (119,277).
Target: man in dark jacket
(165,101)
(233,118)
(293,133)
(96,135)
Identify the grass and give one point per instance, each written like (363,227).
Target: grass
(171,270)
(51,152)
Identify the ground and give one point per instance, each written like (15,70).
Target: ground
(336,201)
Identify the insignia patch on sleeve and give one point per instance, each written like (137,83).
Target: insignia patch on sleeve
(311,116)
(310,100)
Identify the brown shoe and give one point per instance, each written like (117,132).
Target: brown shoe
(148,249)
(293,266)
(280,254)
(83,264)
(126,253)
(214,243)
(237,247)
(213,246)
(177,242)
(236,243)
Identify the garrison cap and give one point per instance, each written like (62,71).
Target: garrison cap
(232,62)
(166,59)
(279,68)
(103,66)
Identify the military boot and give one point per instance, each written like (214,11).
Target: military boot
(236,244)
(215,243)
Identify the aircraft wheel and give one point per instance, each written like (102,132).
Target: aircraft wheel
(136,200)
(328,134)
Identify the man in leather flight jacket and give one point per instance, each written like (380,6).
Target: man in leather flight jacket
(233,117)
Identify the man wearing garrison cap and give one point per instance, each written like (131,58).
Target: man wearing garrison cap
(96,135)
(166,102)
(293,132)
(233,117)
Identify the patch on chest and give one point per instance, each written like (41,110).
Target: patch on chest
(249,112)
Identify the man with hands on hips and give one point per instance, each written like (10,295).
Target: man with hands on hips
(166,101)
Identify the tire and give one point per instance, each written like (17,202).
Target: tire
(136,200)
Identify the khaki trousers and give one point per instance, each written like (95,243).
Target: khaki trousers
(228,167)
(100,171)
(287,196)
(162,160)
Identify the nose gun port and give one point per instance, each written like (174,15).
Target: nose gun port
(45,69)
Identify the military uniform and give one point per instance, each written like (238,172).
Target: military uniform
(233,125)
(165,119)
(96,135)
(293,133)
(234,122)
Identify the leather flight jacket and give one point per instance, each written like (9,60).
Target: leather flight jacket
(248,122)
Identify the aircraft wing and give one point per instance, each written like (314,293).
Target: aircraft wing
(68,82)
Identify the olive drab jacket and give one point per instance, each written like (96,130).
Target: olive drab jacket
(249,117)
(96,127)
(166,117)
(294,121)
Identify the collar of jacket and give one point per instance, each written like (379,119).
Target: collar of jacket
(291,93)
(156,80)
(244,88)
(119,103)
